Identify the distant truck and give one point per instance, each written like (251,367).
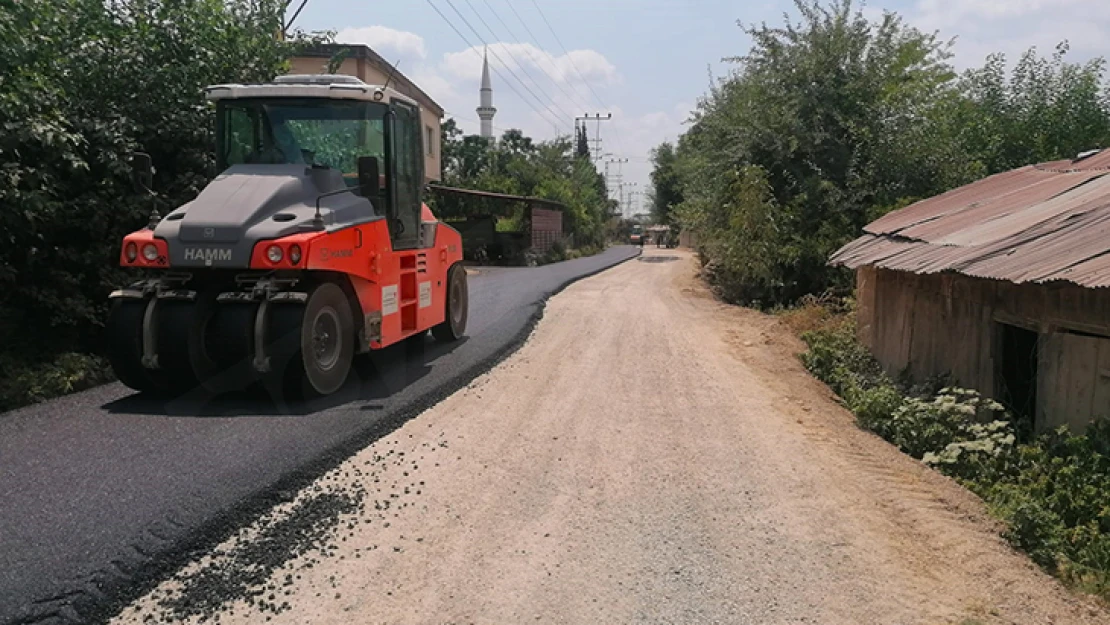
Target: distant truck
(637,236)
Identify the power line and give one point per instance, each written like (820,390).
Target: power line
(475,49)
(285,27)
(531,57)
(518,64)
(575,67)
(495,55)
(567,53)
(520,19)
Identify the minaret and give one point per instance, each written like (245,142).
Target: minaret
(485,109)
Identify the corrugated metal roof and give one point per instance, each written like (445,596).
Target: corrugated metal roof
(1033,224)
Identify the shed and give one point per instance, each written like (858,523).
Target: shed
(475,214)
(1001,283)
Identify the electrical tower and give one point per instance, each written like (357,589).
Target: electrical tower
(616,180)
(596,141)
(624,204)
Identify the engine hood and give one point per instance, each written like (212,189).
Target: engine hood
(249,203)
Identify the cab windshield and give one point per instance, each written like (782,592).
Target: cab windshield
(310,131)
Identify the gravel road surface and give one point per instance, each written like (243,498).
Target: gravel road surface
(102,491)
(648,456)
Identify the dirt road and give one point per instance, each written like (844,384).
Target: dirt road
(648,456)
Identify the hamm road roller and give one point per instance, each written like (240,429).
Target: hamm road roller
(311,246)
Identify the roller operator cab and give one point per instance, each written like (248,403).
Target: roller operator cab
(312,245)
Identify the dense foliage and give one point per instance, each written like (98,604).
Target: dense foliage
(84,84)
(1050,489)
(517,165)
(665,195)
(829,122)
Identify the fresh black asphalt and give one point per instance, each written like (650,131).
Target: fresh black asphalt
(104,492)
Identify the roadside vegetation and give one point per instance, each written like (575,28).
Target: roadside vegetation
(827,123)
(558,170)
(1049,489)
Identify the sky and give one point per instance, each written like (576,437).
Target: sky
(644,61)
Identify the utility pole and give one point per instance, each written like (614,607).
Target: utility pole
(617,178)
(597,141)
(633,202)
(621,201)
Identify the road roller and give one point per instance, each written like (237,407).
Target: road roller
(311,246)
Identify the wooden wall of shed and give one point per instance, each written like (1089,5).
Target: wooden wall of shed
(934,324)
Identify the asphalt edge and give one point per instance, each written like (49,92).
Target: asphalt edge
(105,599)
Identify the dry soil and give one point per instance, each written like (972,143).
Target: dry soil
(649,456)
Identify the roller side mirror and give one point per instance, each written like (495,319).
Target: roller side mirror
(142,171)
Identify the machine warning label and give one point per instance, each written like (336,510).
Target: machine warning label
(425,294)
(389,299)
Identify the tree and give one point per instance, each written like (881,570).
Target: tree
(1047,109)
(815,115)
(583,141)
(665,194)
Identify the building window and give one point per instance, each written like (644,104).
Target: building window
(429,141)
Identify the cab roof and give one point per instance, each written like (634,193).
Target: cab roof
(332,86)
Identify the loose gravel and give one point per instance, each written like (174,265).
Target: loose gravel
(648,456)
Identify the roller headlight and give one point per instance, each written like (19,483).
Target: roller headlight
(274,254)
(131,251)
(150,252)
(294,254)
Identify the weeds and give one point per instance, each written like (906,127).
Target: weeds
(23,383)
(1052,491)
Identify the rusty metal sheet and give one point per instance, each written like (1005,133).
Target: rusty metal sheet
(1084,191)
(1094,272)
(1034,224)
(1043,257)
(956,199)
(869,250)
(1100,161)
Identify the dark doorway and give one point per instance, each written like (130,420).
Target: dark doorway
(1017,375)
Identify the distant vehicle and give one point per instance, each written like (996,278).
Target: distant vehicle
(637,236)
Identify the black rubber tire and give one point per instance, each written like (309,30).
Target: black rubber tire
(180,336)
(223,353)
(327,345)
(124,332)
(456,306)
(283,348)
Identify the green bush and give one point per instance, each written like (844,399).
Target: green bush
(1053,493)
(24,383)
(556,253)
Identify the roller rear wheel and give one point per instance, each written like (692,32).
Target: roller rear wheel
(456,306)
(223,351)
(124,331)
(181,327)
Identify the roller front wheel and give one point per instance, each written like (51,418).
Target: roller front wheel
(312,347)
(456,306)
(124,331)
